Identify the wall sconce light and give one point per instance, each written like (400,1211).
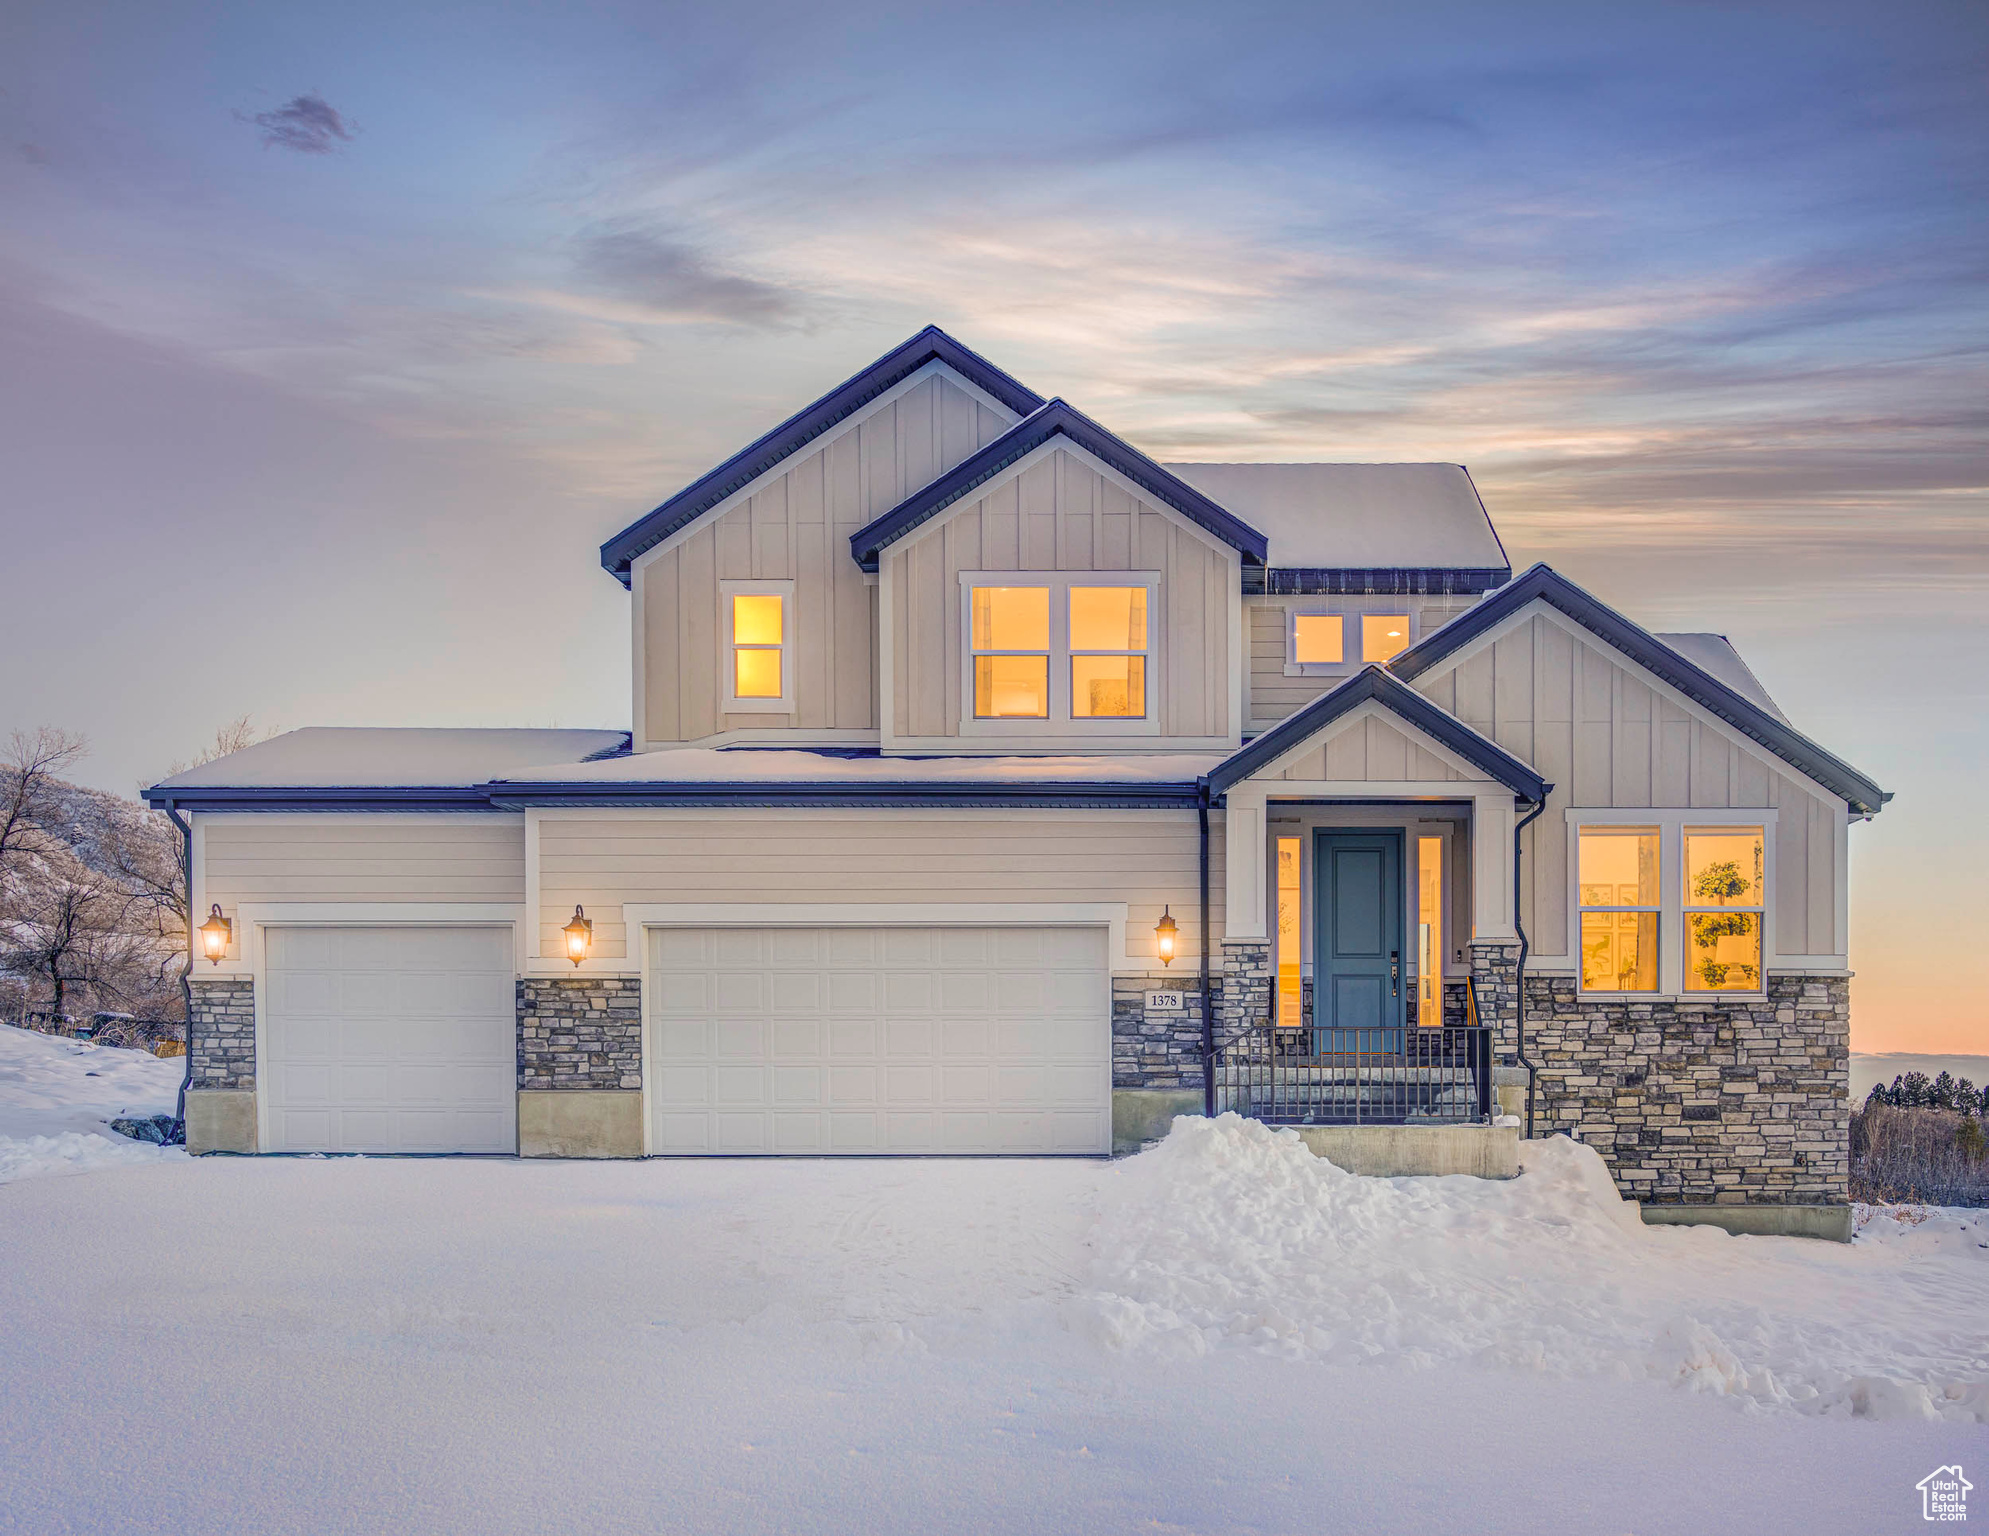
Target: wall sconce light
(579,936)
(1163,934)
(214,935)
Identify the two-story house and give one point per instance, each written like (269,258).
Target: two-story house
(992,786)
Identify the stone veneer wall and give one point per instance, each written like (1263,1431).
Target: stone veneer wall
(1164,1051)
(1245,1002)
(1728,1101)
(580,1032)
(221,1034)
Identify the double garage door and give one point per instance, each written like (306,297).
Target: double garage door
(879,1040)
(760,1040)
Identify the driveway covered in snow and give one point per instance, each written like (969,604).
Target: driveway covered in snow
(1224,1334)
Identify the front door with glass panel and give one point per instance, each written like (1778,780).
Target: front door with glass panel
(1357,1000)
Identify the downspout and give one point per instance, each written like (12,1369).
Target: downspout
(186,975)
(1208,1017)
(1519,971)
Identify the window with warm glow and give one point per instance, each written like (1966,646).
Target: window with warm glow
(1290,996)
(1724,908)
(1107,652)
(1318,639)
(1010,632)
(1617,881)
(1383,635)
(1429,948)
(758,625)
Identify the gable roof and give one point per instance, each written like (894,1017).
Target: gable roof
(1762,725)
(802,428)
(1371,682)
(1716,654)
(1324,517)
(1056,419)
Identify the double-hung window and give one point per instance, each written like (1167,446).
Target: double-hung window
(1679,906)
(1070,651)
(756,620)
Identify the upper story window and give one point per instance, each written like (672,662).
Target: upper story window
(1066,650)
(1648,893)
(757,619)
(1341,640)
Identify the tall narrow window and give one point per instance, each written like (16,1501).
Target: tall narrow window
(1108,652)
(1383,635)
(1011,640)
(1429,946)
(1617,875)
(757,632)
(1318,639)
(1291,995)
(1724,912)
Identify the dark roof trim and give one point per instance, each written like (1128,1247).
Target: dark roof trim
(1101,796)
(1470,580)
(1860,793)
(340,797)
(1056,419)
(802,428)
(1398,698)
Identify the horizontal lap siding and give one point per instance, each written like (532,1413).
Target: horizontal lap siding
(1273,696)
(796,527)
(478,858)
(1147,859)
(1598,731)
(1060,514)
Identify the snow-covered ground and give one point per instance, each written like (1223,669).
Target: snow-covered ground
(1224,1334)
(58,1097)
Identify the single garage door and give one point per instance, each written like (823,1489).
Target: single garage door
(868,1040)
(390,1039)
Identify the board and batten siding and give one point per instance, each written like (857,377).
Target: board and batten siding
(1273,695)
(1147,859)
(1061,514)
(369,857)
(796,527)
(1367,749)
(1596,729)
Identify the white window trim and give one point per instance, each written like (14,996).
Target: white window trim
(1059,721)
(1349,610)
(729,702)
(1671,825)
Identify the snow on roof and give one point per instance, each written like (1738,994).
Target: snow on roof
(712,765)
(321,756)
(1358,516)
(1715,654)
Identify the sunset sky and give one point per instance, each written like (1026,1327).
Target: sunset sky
(334,339)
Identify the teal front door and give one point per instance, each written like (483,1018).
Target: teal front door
(1357,948)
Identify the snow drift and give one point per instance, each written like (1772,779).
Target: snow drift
(1232,1235)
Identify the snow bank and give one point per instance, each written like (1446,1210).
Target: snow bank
(58,1096)
(1230,1234)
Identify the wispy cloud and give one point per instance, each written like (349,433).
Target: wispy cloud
(656,277)
(308,124)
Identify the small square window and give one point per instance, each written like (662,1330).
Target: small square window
(1383,636)
(1318,639)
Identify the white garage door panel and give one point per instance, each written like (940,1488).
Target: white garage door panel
(390,1039)
(867,1040)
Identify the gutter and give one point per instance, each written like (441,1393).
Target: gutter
(1208,1017)
(1519,970)
(186,975)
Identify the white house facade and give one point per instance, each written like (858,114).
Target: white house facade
(992,788)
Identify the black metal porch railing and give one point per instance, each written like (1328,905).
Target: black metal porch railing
(1399,1075)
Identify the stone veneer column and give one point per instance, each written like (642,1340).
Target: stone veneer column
(221,1063)
(580,1066)
(1495,982)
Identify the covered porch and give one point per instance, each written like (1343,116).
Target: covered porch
(1371,941)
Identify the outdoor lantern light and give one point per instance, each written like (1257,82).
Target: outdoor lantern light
(214,935)
(579,936)
(1163,933)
